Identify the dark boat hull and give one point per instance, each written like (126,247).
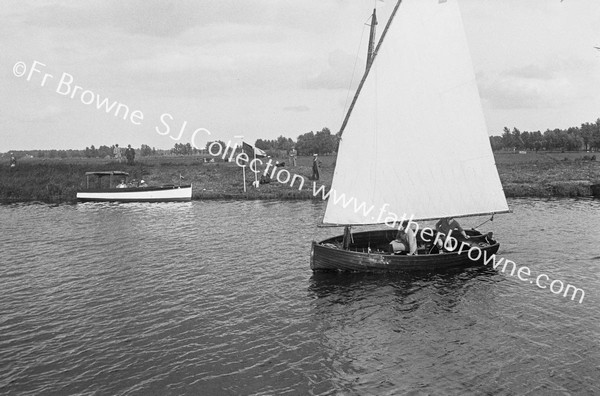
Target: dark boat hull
(328,256)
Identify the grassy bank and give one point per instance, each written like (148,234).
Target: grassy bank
(548,174)
(55,180)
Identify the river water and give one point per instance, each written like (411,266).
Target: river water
(217,298)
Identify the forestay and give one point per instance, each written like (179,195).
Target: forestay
(416,142)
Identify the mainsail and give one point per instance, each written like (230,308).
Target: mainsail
(416,142)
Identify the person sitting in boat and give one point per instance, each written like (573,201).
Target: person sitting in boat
(405,242)
(122,184)
(446,227)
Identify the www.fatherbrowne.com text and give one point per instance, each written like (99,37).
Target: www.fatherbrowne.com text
(390,219)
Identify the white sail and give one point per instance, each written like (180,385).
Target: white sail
(416,142)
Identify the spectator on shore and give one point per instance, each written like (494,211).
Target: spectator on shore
(315,167)
(130,155)
(13,161)
(122,184)
(117,153)
(293,155)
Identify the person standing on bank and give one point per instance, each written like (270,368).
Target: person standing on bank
(129,154)
(293,155)
(117,153)
(13,161)
(315,167)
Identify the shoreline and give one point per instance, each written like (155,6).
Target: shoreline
(535,175)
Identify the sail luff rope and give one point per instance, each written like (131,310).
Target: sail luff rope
(362,81)
(354,68)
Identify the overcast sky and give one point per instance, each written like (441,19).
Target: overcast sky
(264,68)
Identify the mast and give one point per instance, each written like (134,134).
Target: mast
(372,38)
(370,60)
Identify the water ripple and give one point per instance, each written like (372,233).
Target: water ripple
(217,298)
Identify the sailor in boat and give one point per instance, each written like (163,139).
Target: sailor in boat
(405,242)
(445,227)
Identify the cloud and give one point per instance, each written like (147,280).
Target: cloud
(297,109)
(46,113)
(166,18)
(530,87)
(341,70)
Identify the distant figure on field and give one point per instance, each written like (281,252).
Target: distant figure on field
(315,167)
(122,184)
(13,161)
(129,154)
(117,153)
(293,155)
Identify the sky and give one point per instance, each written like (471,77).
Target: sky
(198,71)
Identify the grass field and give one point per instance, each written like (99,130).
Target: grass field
(55,180)
(547,174)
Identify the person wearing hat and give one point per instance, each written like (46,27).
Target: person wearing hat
(315,175)
(13,160)
(129,154)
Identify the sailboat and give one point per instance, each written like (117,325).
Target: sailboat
(414,145)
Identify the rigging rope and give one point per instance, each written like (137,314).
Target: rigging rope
(354,69)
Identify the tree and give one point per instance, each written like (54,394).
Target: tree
(104,151)
(496,143)
(325,141)
(516,139)
(507,139)
(306,143)
(90,152)
(322,142)
(182,149)
(145,150)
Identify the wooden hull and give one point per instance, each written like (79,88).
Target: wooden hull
(328,256)
(137,194)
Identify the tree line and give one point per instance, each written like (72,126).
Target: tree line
(103,151)
(586,137)
(322,142)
